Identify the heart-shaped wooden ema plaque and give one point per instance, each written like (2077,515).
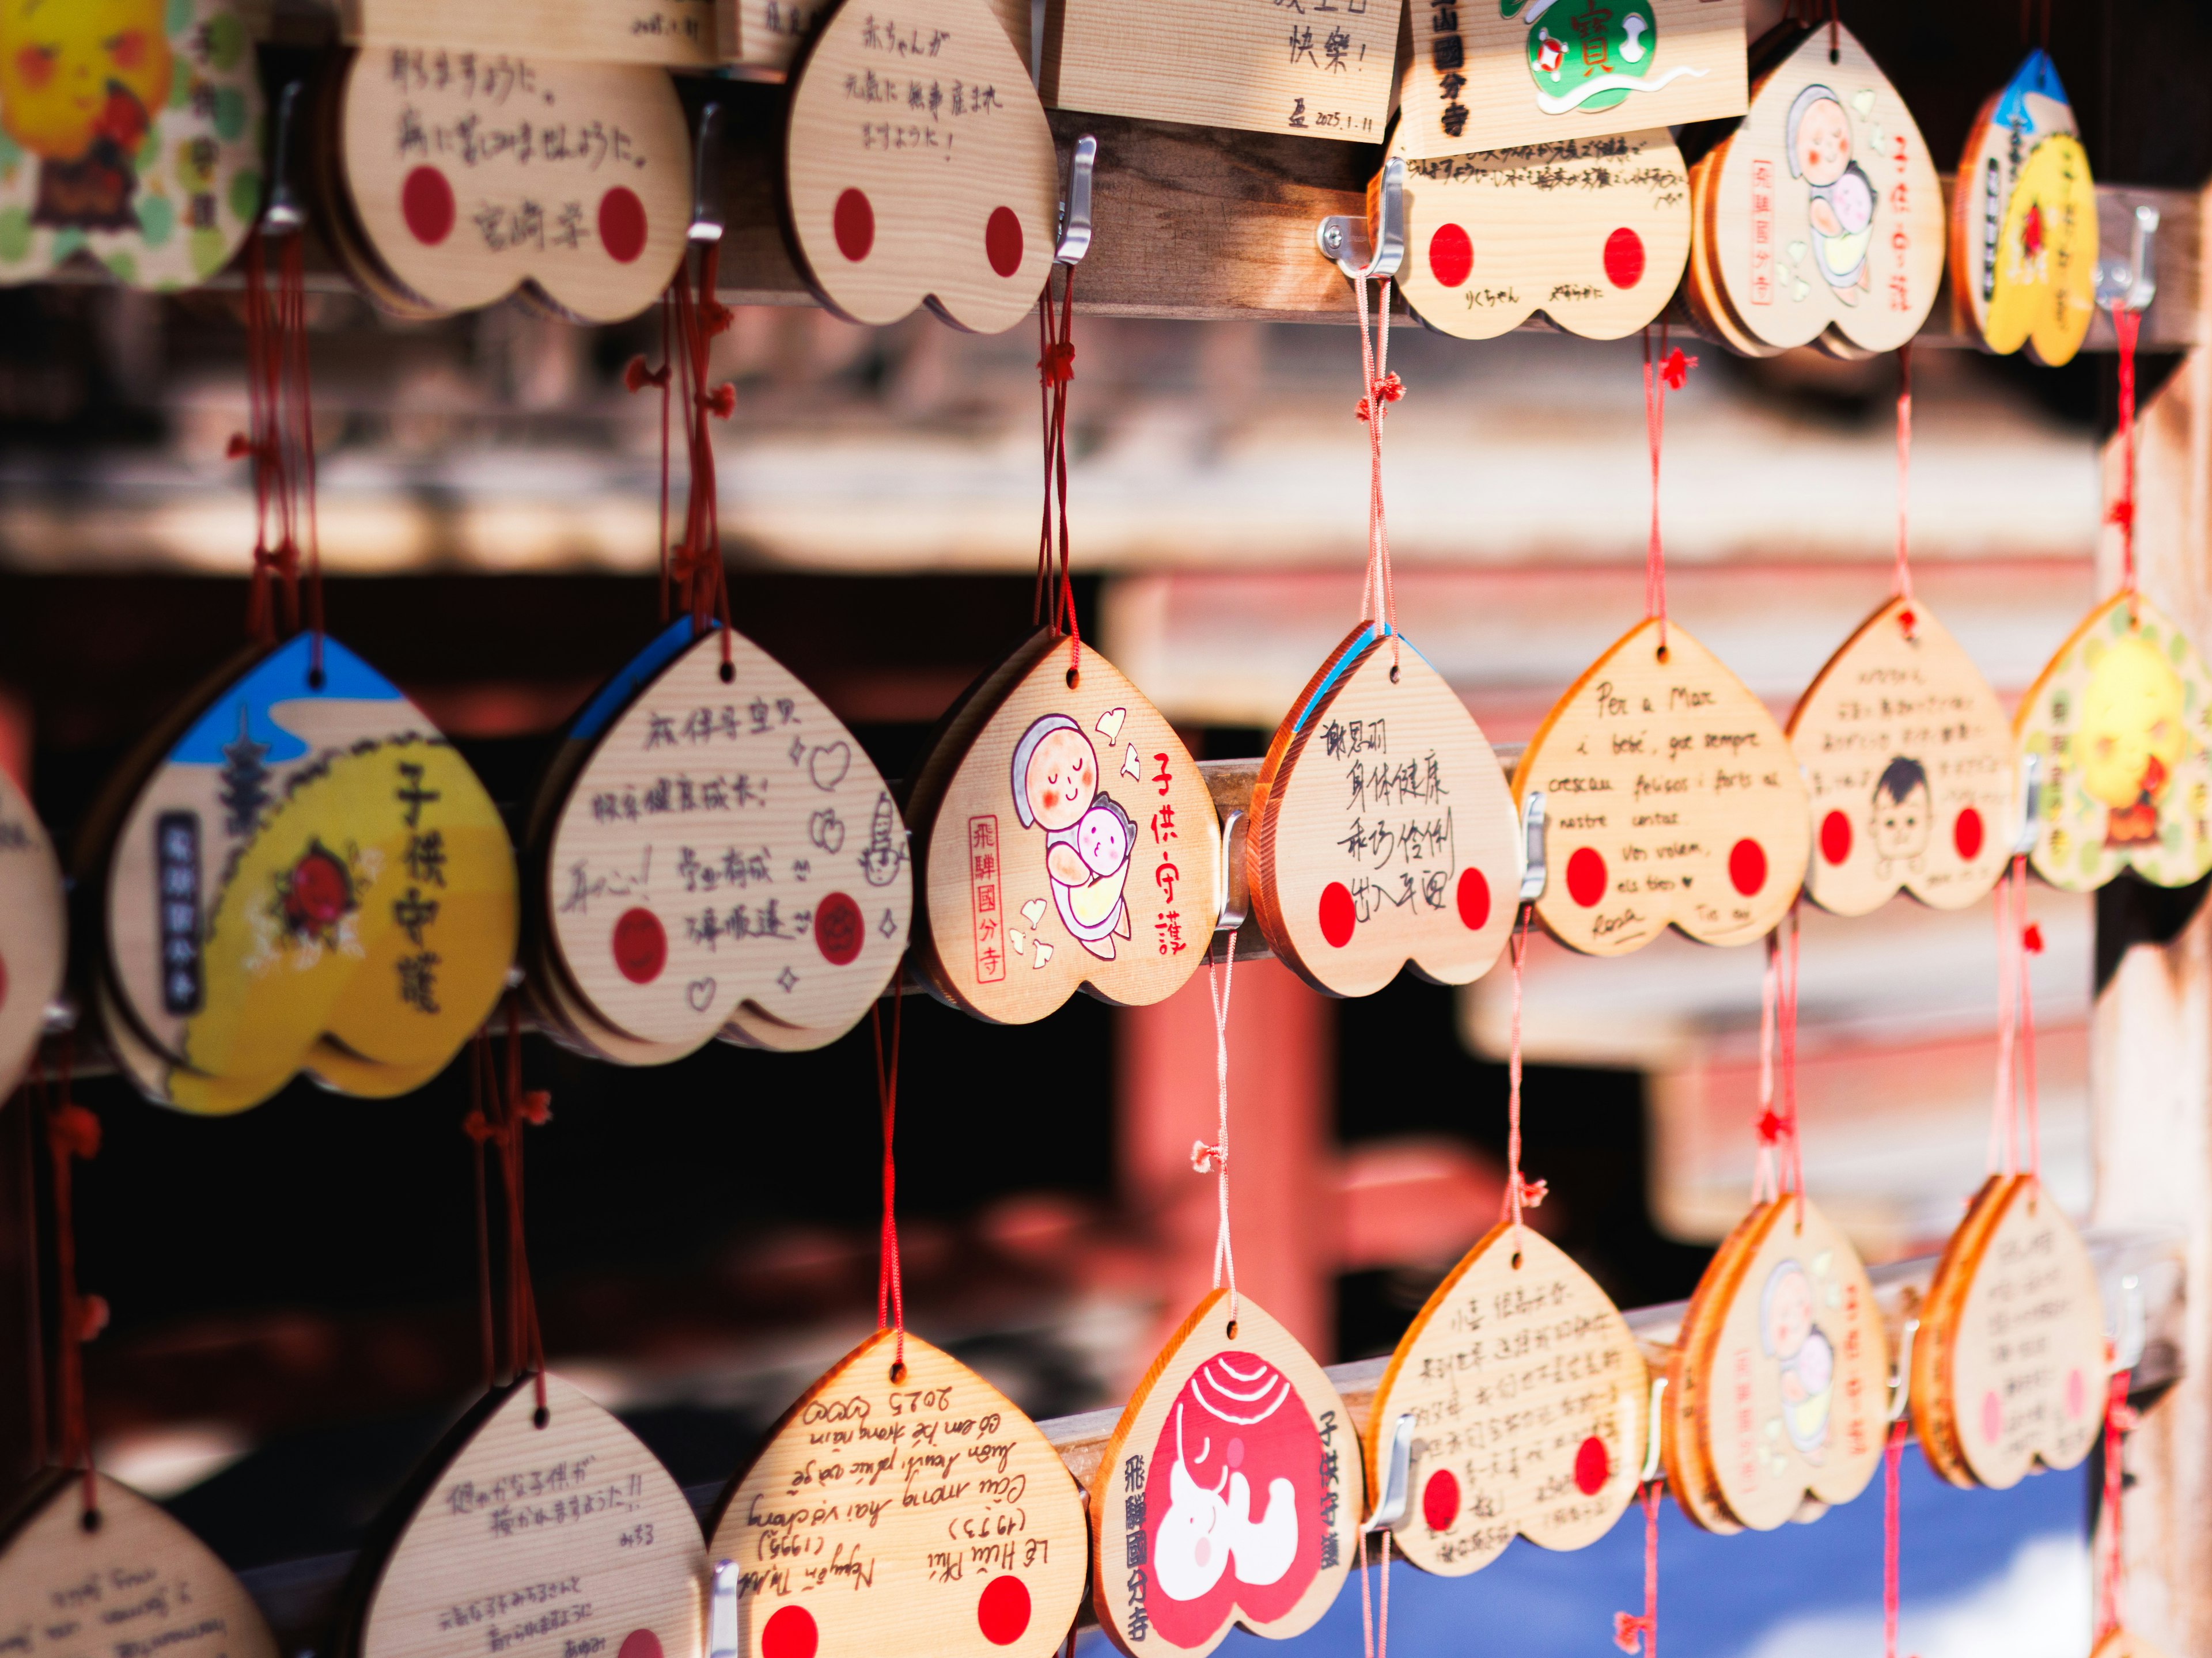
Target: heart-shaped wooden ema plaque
(135,130)
(309,858)
(1909,759)
(1670,797)
(1591,231)
(1067,842)
(1826,210)
(2010,1367)
(137,1582)
(472,174)
(1781,1371)
(902,1510)
(2119,720)
(33,931)
(724,842)
(1530,1403)
(1231,1491)
(1383,832)
(920,168)
(539,1537)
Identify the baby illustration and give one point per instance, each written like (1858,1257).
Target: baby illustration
(1900,818)
(1087,835)
(1840,208)
(2133,733)
(1210,1531)
(1788,1335)
(79,86)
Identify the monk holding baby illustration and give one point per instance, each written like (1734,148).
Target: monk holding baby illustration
(1088,836)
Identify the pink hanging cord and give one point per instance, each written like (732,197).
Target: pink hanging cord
(2015,1135)
(1380,389)
(1520,1193)
(1375,1642)
(1054,604)
(1665,374)
(2111,1579)
(1902,582)
(1214,1159)
(1631,1632)
(1779,1169)
(1892,1454)
(2127,323)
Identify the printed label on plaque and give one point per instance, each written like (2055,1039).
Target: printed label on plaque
(1670,797)
(726,841)
(472,173)
(1229,1493)
(34,931)
(1382,831)
(2119,720)
(546,1541)
(1530,1403)
(909,1512)
(919,167)
(1910,761)
(1591,231)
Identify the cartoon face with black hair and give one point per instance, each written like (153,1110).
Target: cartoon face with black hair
(1901,815)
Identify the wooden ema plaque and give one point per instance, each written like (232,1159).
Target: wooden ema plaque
(1824,211)
(1326,71)
(138,1582)
(2024,221)
(1591,231)
(1520,72)
(1067,842)
(918,167)
(1229,1493)
(134,132)
(1778,1389)
(723,841)
(903,1509)
(1383,833)
(1670,797)
(2010,1367)
(534,1539)
(1530,1403)
(672,33)
(34,931)
(307,861)
(2119,720)
(1910,763)
(468,175)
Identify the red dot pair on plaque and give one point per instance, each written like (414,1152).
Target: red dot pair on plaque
(853,222)
(1451,256)
(1339,917)
(1002,1613)
(1967,834)
(428,209)
(1746,867)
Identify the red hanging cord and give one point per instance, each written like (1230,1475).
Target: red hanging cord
(1379,389)
(1520,1193)
(1892,1454)
(2014,1136)
(1779,1169)
(1665,374)
(1630,1632)
(299,424)
(1053,603)
(2119,1417)
(697,570)
(72,1136)
(275,560)
(890,1293)
(636,377)
(505,1109)
(1902,580)
(2127,323)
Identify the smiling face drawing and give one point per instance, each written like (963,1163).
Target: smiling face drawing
(2133,734)
(1055,773)
(1900,817)
(1789,1336)
(80,82)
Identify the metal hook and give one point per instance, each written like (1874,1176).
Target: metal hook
(2128,1344)
(1900,1380)
(722,1611)
(1649,1471)
(1075,205)
(1533,873)
(2132,285)
(1343,237)
(706,178)
(1231,906)
(283,214)
(1392,1508)
(2024,842)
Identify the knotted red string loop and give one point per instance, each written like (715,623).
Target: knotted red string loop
(501,1110)
(1057,366)
(1387,390)
(1053,603)
(721,403)
(74,1132)
(1205,1158)
(1632,1631)
(1676,368)
(1661,374)
(636,376)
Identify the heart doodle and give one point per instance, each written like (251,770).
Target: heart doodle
(699,993)
(826,766)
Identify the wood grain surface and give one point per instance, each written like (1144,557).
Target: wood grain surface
(33,931)
(673,34)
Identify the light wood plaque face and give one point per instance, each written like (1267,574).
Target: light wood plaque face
(471,174)
(539,1542)
(1791,1397)
(893,1515)
(920,168)
(2120,718)
(1325,72)
(1230,1493)
(33,931)
(1670,798)
(1991,250)
(1383,832)
(1067,842)
(674,34)
(1591,231)
(1689,1473)
(2016,1368)
(724,842)
(307,861)
(64,1590)
(1910,763)
(1490,74)
(134,133)
(1826,210)
(1529,1402)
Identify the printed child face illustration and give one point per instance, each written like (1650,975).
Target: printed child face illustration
(2133,726)
(70,71)
(1822,145)
(1789,1311)
(1901,816)
(1102,838)
(1061,778)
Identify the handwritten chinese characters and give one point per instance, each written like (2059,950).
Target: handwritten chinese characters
(1529,1400)
(920,168)
(564,1540)
(472,173)
(903,1509)
(1382,831)
(1317,68)
(33,930)
(1908,758)
(1671,796)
